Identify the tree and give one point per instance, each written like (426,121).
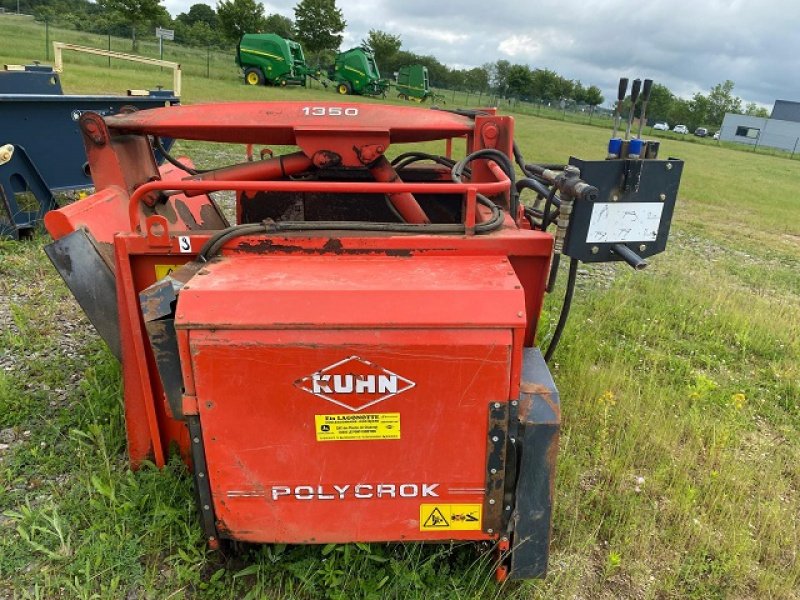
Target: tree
(319,25)
(720,101)
(279,25)
(199,13)
(476,79)
(134,12)
(754,110)
(593,97)
(499,76)
(384,46)
(661,99)
(237,17)
(519,80)
(545,85)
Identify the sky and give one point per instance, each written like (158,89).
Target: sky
(689,46)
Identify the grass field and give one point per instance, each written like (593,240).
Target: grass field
(679,470)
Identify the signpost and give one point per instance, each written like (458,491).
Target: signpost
(163,34)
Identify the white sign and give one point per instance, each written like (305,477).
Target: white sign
(624,222)
(165,34)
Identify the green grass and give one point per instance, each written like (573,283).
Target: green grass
(679,469)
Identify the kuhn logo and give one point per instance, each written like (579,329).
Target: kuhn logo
(354,383)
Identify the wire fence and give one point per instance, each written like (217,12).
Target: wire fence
(200,61)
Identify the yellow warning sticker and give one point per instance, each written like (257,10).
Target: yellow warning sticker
(375,426)
(453,517)
(164,270)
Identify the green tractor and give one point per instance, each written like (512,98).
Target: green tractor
(355,72)
(267,58)
(413,84)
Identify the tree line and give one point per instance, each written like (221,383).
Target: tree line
(318,25)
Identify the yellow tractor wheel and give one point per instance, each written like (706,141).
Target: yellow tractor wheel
(253,77)
(343,89)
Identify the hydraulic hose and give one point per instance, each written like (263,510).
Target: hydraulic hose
(172,160)
(562,319)
(457,172)
(219,239)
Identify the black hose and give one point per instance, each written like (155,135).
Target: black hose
(547,204)
(171,160)
(219,239)
(411,157)
(562,319)
(457,172)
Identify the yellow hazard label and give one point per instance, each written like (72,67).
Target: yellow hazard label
(376,426)
(164,270)
(454,517)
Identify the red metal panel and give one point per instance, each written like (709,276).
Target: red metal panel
(353,292)
(278,122)
(273,481)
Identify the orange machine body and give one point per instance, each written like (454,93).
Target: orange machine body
(327,385)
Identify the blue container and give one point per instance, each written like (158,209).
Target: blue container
(614,147)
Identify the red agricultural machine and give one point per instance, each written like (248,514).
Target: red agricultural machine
(355,359)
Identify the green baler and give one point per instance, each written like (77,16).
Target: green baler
(413,84)
(267,58)
(355,72)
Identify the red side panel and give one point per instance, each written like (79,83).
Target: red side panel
(283,347)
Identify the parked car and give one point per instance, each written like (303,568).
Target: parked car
(716,135)
(701,132)
(661,126)
(680,129)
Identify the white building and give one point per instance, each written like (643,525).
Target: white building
(781,130)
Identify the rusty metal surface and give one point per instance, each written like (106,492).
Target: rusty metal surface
(539,414)
(539,400)
(79,262)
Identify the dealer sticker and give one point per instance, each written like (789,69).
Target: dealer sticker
(452,517)
(375,426)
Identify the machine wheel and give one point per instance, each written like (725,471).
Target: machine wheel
(253,77)
(402,96)
(283,83)
(344,89)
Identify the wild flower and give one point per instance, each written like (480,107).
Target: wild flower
(607,399)
(738,400)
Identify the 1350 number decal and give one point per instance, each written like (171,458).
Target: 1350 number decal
(330,111)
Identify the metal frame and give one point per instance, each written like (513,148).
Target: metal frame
(60,47)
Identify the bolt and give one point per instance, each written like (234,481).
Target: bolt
(490,531)
(206,507)
(615,197)
(513,440)
(508,507)
(497,405)
(513,403)
(642,247)
(491,500)
(201,475)
(495,438)
(196,440)
(669,166)
(211,538)
(209,404)
(662,197)
(519,314)
(595,249)
(493,471)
